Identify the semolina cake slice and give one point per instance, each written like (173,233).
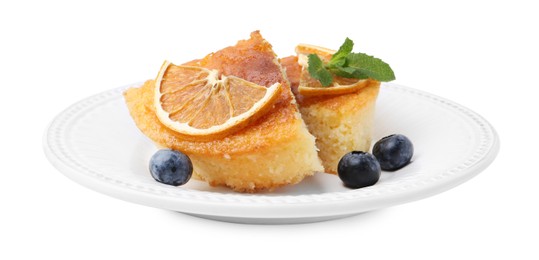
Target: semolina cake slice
(275,150)
(340,123)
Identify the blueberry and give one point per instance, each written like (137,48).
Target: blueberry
(393,152)
(359,169)
(171,167)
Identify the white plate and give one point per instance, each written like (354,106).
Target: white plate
(95,143)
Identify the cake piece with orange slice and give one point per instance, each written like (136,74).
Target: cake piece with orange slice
(233,113)
(340,115)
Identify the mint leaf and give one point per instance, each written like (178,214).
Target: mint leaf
(344,63)
(366,66)
(318,71)
(339,57)
(345,72)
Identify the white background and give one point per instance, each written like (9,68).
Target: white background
(482,55)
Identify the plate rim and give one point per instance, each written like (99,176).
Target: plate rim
(271,206)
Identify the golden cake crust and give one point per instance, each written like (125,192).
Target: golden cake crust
(243,60)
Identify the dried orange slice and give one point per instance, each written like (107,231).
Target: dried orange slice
(309,86)
(198,102)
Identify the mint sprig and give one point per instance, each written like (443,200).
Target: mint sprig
(344,63)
